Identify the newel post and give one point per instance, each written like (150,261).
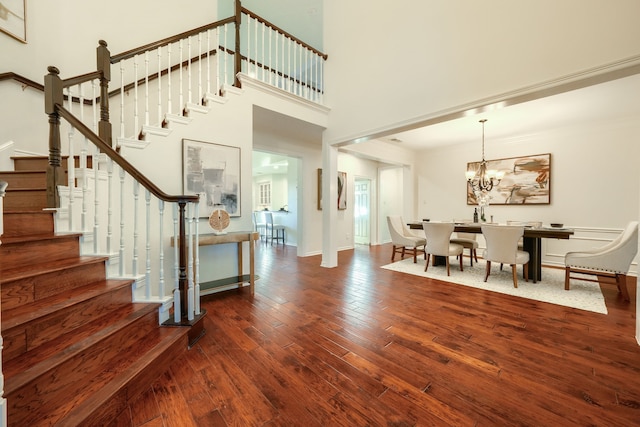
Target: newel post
(53,97)
(104,67)
(237,58)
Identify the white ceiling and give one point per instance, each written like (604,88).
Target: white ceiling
(613,99)
(619,98)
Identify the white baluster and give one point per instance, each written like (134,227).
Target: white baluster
(189,98)
(200,97)
(121,99)
(146,88)
(159,87)
(177,315)
(248,45)
(181,97)
(208,61)
(109,205)
(190,290)
(197,261)
(70,162)
(136,233)
(255,44)
(307,72)
(83,166)
(282,66)
(169,88)
(147,275)
(226,59)
(136,123)
(94,164)
(321,80)
(295,67)
(219,57)
(121,251)
(263,60)
(161,289)
(288,82)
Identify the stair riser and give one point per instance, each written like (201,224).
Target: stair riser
(66,385)
(30,163)
(40,163)
(26,223)
(16,255)
(25,179)
(25,199)
(29,289)
(25,337)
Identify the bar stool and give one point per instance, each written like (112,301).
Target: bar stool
(259,225)
(273,231)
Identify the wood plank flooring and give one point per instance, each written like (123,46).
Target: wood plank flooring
(358,345)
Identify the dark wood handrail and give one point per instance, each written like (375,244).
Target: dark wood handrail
(133,52)
(25,81)
(121,161)
(284,33)
(72,81)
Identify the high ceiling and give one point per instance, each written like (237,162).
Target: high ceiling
(613,99)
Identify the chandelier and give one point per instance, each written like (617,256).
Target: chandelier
(483,180)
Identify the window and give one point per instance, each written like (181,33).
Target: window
(265,193)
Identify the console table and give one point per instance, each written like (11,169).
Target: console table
(235,237)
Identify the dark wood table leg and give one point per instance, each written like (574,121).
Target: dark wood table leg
(533,245)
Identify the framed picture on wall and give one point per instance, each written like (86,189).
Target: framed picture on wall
(213,172)
(342,190)
(526,181)
(13,19)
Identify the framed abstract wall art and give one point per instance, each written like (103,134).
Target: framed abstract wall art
(526,181)
(342,190)
(213,172)
(13,19)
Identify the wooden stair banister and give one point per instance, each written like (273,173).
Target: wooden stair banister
(54,108)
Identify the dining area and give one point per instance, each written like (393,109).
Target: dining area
(514,244)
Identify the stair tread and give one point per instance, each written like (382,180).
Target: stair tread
(19,315)
(11,274)
(35,362)
(79,400)
(168,338)
(37,237)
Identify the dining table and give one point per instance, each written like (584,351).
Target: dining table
(531,241)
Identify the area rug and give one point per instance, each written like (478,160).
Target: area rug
(583,295)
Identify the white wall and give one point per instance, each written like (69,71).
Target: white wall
(396,63)
(391,181)
(66,34)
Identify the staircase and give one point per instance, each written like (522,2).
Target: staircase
(76,348)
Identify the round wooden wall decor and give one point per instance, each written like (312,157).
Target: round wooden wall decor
(219,220)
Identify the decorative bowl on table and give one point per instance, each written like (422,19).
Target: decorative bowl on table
(556,225)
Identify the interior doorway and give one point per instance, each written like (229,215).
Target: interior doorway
(362,212)
(275,190)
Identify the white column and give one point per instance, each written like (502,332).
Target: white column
(329,205)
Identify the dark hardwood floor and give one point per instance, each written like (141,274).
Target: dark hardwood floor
(358,345)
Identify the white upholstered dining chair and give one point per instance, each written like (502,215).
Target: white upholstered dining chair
(502,247)
(611,261)
(438,236)
(403,240)
(467,240)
